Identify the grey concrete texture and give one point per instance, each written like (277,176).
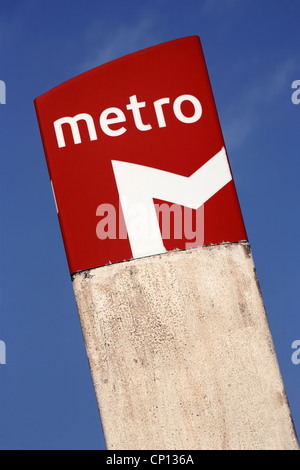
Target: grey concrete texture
(181,353)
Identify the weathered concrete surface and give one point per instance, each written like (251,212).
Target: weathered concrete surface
(181,353)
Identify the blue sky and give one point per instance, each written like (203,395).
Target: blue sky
(251,48)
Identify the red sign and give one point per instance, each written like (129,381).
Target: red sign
(137,159)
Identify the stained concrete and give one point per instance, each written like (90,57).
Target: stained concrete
(181,353)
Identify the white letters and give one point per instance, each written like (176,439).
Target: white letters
(159,112)
(73,122)
(135,106)
(105,121)
(197,107)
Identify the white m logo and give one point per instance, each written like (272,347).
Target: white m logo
(138,185)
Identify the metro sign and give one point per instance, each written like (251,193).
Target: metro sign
(137,159)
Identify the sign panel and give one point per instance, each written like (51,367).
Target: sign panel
(137,160)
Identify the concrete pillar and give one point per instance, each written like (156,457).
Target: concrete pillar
(181,353)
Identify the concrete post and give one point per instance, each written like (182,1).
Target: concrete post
(181,353)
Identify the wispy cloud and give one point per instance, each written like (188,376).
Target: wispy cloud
(279,80)
(108,42)
(245,115)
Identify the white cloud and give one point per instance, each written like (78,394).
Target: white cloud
(245,115)
(279,80)
(237,129)
(108,42)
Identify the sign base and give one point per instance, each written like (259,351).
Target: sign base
(181,353)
